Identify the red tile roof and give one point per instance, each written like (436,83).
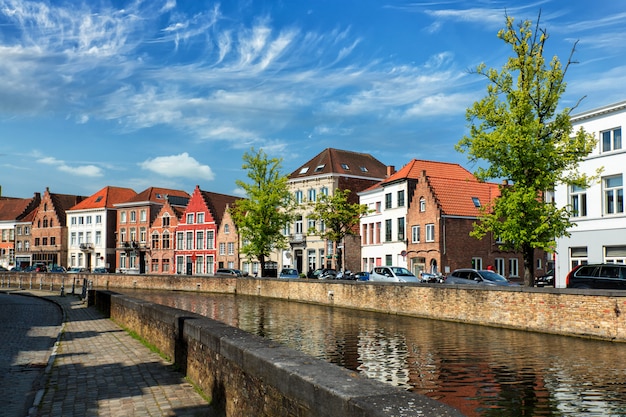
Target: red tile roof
(18,208)
(346,163)
(456,197)
(106,197)
(156,195)
(413,170)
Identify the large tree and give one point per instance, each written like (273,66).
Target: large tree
(261,217)
(518,135)
(339,217)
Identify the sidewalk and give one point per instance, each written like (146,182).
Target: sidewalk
(100,370)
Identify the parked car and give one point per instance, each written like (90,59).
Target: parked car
(100,271)
(362,276)
(546,280)
(392,274)
(3,269)
(57,268)
(76,270)
(229,271)
(36,267)
(289,273)
(477,277)
(431,278)
(325,273)
(597,276)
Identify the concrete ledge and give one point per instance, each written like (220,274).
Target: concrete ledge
(247,375)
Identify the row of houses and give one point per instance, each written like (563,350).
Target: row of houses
(420,218)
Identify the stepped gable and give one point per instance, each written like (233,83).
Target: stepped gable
(341,162)
(18,208)
(218,203)
(62,203)
(106,198)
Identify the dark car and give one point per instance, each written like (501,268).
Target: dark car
(325,273)
(57,268)
(546,280)
(362,276)
(38,267)
(100,271)
(477,277)
(597,276)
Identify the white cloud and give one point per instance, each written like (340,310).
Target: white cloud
(91,171)
(181,165)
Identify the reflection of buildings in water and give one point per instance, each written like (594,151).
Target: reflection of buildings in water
(384,358)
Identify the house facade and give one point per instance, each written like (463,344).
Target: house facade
(134,219)
(91,227)
(599,233)
(197,235)
(330,170)
(162,235)
(421,218)
(49,238)
(16,216)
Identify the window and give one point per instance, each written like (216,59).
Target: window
(299,225)
(99,219)
(133,234)
(143,216)
(200,217)
(310,224)
(143,234)
(615,254)
(401,198)
(123,217)
(189,218)
(226,228)
(165,221)
(210,244)
(199,264)
(319,168)
(613,195)
(88,220)
(422,204)
(298,196)
(312,195)
(53,240)
(415,234)
(578,200)
(210,264)
(430,232)
(476,202)
(345,166)
(73,220)
(98,237)
(611,140)
(324,191)
(388,230)
(499,266)
(378,206)
(231,248)
(388,201)
(81,220)
(122,235)
(304,170)
(400,228)
(88,237)
(133,216)
(166,240)
(222,248)
(199,240)
(477,263)
(189,241)
(180,239)
(154,241)
(513,267)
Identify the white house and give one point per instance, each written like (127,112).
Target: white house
(599,234)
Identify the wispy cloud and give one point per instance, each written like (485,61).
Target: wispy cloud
(91,171)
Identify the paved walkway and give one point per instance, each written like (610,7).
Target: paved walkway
(95,369)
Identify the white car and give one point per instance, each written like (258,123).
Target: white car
(392,274)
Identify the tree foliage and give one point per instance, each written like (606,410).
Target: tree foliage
(517,130)
(262,216)
(339,215)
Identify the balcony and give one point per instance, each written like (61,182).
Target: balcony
(297,239)
(85,247)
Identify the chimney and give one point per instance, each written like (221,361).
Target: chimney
(390,170)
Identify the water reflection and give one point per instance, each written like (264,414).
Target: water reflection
(479,370)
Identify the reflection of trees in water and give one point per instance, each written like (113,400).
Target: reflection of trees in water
(480,370)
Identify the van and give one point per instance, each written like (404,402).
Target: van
(597,276)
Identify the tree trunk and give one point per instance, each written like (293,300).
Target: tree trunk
(262,262)
(529,262)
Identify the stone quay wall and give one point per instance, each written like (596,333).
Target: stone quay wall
(245,375)
(583,313)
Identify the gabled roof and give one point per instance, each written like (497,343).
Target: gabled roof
(106,198)
(62,203)
(18,208)
(340,162)
(155,195)
(217,203)
(460,197)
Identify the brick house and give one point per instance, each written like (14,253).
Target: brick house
(162,233)
(49,228)
(229,242)
(91,227)
(16,216)
(197,234)
(422,217)
(326,172)
(134,219)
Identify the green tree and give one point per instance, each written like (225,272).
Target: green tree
(518,132)
(339,216)
(262,216)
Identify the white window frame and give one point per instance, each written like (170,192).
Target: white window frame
(415,234)
(430,232)
(613,194)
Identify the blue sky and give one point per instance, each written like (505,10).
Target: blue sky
(171,93)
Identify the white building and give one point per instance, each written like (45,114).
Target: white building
(599,234)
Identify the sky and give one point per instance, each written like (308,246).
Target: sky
(172,93)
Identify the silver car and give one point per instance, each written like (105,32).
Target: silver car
(477,276)
(392,274)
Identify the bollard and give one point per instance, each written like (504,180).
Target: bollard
(62,290)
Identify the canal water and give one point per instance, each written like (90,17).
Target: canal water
(479,370)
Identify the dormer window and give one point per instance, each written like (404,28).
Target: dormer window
(304,170)
(319,168)
(476,202)
(363,169)
(345,166)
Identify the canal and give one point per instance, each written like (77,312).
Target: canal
(479,370)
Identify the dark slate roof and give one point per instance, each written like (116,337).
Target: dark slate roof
(156,195)
(344,163)
(62,203)
(217,203)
